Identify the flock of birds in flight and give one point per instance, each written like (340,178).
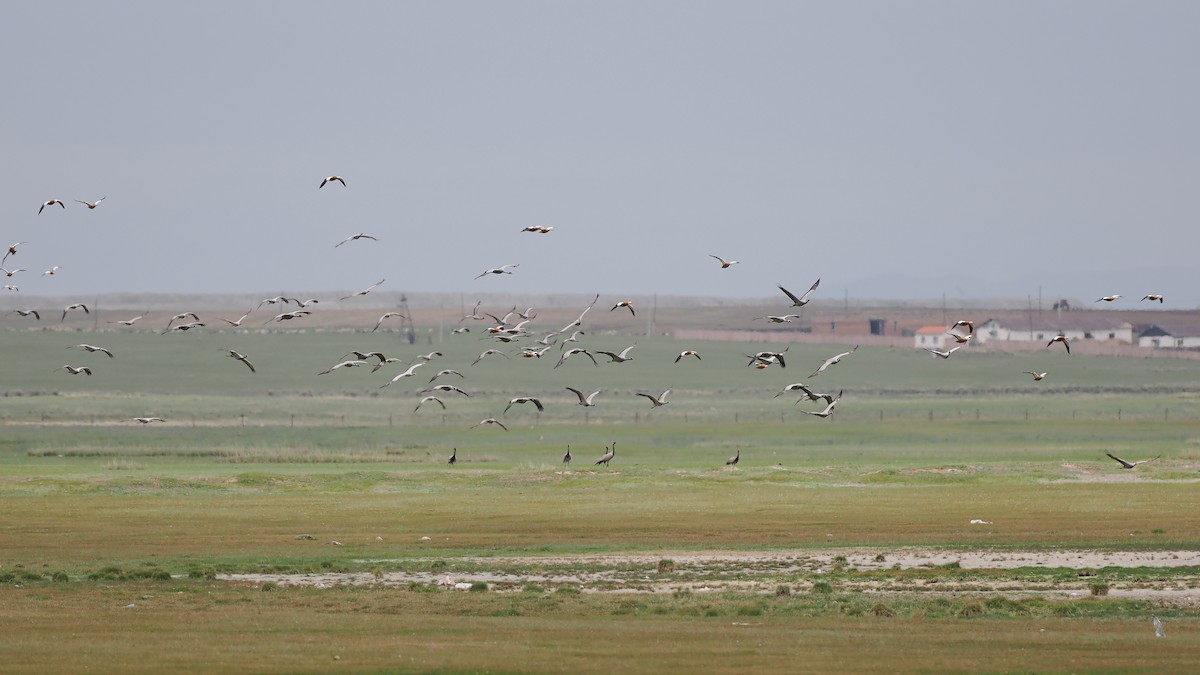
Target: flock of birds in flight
(508,329)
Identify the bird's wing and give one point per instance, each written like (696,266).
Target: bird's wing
(808,294)
(577,393)
(794,299)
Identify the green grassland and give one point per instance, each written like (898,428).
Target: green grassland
(260,472)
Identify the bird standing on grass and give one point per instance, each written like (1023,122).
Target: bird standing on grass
(607,457)
(567,457)
(453,457)
(734,460)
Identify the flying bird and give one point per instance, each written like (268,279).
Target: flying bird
(12,250)
(585,401)
(970,325)
(490,420)
(524,399)
(489,352)
(332,178)
(91,205)
(51,202)
(237,323)
(945,354)
(1037,377)
(288,316)
(129,322)
(961,339)
(78,305)
(240,357)
(574,338)
(429,356)
(765,358)
(622,357)
(503,269)
(353,363)
(579,321)
(802,300)
(356,237)
(724,263)
(9,273)
(27,312)
(81,369)
(627,304)
(1151,297)
(364,291)
(539,229)
(386,315)
(444,387)
(92,348)
(181,317)
(828,409)
(52,271)
(659,400)
(832,360)
(11,287)
(406,373)
(1060,338)
(809,394)
(786,318)
(574,350)
(1107,298)
(426,400)
(688,352)
(183,327)
(147,420)
(446,371)
(1130,465)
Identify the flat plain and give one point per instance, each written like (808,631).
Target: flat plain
(950,515)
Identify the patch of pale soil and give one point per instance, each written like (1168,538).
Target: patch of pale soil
(761,571)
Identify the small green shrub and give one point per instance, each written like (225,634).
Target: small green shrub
(666,566)
(822,587)
(782,590)
(479,587)
(1098,588)
(972,609)
(881,609)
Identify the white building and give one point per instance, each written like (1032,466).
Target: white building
(1076,328)
(1170,336)
(932,337)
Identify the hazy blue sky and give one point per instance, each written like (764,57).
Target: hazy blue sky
(891,148)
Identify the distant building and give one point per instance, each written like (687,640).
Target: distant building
(1077,327)
(1169,336)
(931,337)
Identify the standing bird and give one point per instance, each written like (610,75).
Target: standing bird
(91,205)
(51,202)
(567,457)
(734,460)
(78,305)
(585,401)
(724,263)
(1060,338)
(332,178)
(659,400)
(453,457)
(1037,377)
(240,357)
(1130,465)
(688,352)
(1151,297)
(802,300)
(608,455)
(832,360)
(356,237)
(364,291)
(628,304)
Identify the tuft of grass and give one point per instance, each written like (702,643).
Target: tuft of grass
(1098,588)
(666,566)
(972,609)
(783,590)
(822,587)
(479,587)
(881,609)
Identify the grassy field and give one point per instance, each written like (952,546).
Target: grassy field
(261,473)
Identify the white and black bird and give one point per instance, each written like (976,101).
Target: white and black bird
(724,263)
(237,356)
(786,318)
(828,409)
(443,387)
(567,457)
(969,325)
(524,399)
(352,363)
(386,315)
(51,202)
(608,455)
(75,370)
(428,399)
(406,373)
(453,457)
(732,461)
(1037,377)
(503,269)
(12,250)
(943,354)
(1108,298)
(579,320)
(622,357)
(585,401)
(129,322)
(27,312)
(364,291)
(659,400)
(627,304)
(809,394)
(91,205)
(539,229)
(288,316)
(9,273)
(1152,297)
(489,352)
(490,420)
(238,323)
(688,352)
(183,327)
(802,300)
(571,352)
(1060,338)
(1158,627)
(68,308)
(1130,465)
(445,371)
(92,348)
(833,360)
(329,179)
(147,420)
(355,237)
